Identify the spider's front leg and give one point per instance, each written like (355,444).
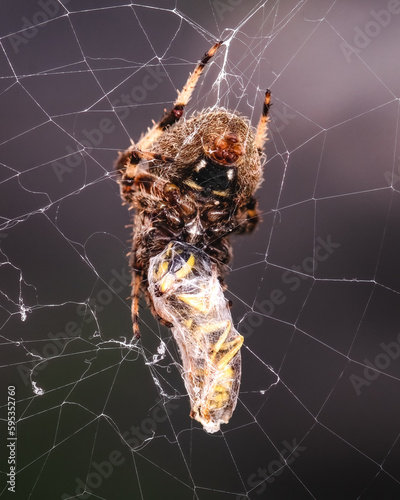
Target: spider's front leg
(262,127)
(176,112)
(133,178)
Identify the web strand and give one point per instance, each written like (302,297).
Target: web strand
(315,290)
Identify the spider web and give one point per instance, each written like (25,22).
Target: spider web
(315,289)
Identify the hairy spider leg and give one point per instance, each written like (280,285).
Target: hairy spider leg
(262,127)
(173,115)
(138,155)
(132,177)
(136,280)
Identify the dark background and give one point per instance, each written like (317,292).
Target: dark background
(73,89)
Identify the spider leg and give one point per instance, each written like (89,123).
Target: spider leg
(262,127)
(186,93)
(131,178)
(248,217)
(174,114)
(136,280)
(137,155)
(130,158)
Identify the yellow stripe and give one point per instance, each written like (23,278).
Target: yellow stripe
(166,282)
(186,268)
(230,354)
(161,270)
(224,335)
(221,193)
(193,185)
(196,302)
(219,398)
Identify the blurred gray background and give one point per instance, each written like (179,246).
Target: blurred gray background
(315,289)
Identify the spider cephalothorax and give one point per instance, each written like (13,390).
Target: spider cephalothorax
(217,138)
(192,183)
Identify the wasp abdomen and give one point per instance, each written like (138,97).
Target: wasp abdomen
(186,292)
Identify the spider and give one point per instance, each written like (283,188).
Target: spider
(192,183)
